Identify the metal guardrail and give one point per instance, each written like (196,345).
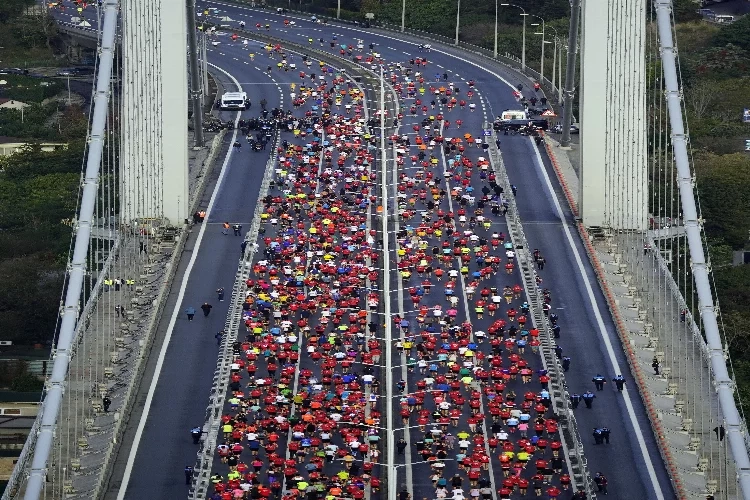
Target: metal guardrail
(558,392)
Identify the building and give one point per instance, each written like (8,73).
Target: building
(17,414)
(10,145)
(6,103)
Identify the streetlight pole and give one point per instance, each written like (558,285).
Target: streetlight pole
(458,16)
(559,71)
(554,56)
(570,72)
(195,91)
(338,10)
(204,62)
(494,51)
(523,34)
(541,64)
(403,15)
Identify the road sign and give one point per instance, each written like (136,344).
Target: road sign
(487,132)
(747,144)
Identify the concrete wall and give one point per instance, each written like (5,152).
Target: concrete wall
(154,178)
(613,146)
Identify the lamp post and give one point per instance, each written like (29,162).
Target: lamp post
(554,57)
(458,17)
(523,33)
(403,15)
(560,46)
(541,64)
(494,50)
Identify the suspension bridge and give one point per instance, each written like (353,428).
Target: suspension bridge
(130,378)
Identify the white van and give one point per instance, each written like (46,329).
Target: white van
(510,114)
(234,100)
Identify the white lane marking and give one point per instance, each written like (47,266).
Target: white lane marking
(602,327)
(175,312)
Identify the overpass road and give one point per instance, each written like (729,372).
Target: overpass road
(631,462)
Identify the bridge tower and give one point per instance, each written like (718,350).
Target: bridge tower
(154,111)
(614,166)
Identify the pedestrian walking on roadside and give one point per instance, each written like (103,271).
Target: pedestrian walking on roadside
(219,336)
(188,475)
(401,446)
(190,311)
(237,228)
(588,399)
(196,433)
(220,293)
(575,400)
(655,365)
(558,352)
(566,363)
(619,382)
(206,307)
(225,228)
(598,439)
(601,483)
(599,382)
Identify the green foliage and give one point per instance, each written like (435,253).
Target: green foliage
(52,122)
(30,123)
(27,382)
(32,31)
(29,89)
(721,254)
(734,283)
(32,162)
(728,61)
(11,10)
(685,11)
(724,187)
(737,33)
(29,297)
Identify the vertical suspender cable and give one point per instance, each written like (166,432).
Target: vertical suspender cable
(723,384)
(55,386)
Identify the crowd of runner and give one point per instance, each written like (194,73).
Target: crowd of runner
(303,416)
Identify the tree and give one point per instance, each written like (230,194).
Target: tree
(737,33)
(724,187)
(13,9)
(685,11)
(700,97)
(27,382)
(29,298)
(31,161)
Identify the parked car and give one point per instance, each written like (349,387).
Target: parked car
(13,71)
(557,129)
(75,71)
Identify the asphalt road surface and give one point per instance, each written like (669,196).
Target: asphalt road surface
(588,334)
